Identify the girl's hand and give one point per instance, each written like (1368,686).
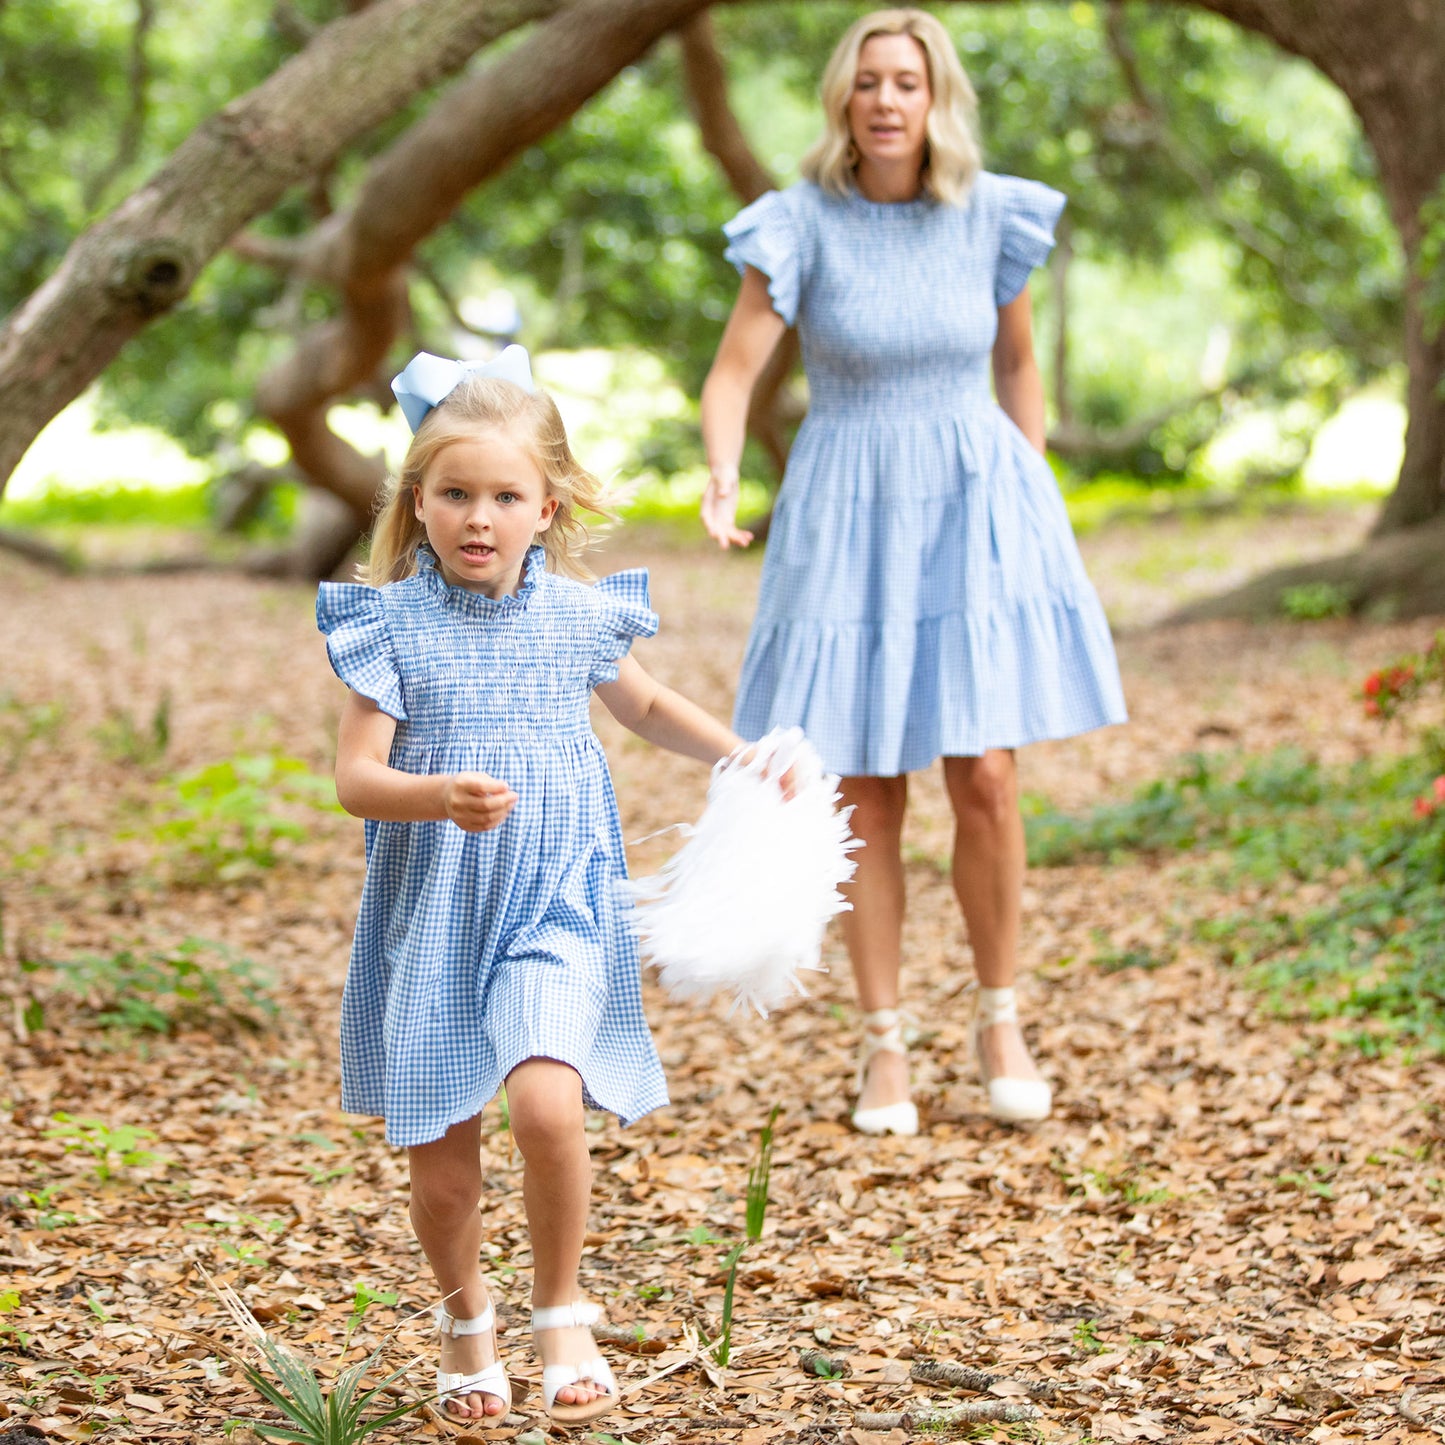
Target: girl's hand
(477,803)
(745,754)
(720,509)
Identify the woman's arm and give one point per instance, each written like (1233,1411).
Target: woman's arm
(748,340)
(1016,377)
(663,717)
(369,787)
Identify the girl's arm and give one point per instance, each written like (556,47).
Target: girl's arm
(749,339)
(663,717)
(369,787)
(1016,377)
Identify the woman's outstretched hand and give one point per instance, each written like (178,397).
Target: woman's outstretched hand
(720,509)
(477,803)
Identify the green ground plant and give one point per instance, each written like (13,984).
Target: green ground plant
(23,724)
(342,1412)
(127,739)
(112,1150)
(195,984)
(1349,861)
(9,1330)
(755,1215)
(228,820)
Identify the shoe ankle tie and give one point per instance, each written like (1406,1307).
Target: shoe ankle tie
(882,1034)
(995,1006)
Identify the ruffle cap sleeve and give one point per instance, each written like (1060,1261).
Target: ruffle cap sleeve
(626,614)
(764,236)
(358,642)
(1031,210)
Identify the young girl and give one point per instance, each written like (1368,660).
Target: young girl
(490,948)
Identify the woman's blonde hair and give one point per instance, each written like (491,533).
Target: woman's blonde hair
(531,419)
(952,156)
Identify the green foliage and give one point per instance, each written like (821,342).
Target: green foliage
(194,984)
(231,816)
(127,740)
(24,723)
(1313,601)
(1216,186)
(1431,261)
(1372,949)
(40,1204)
(112,1150)
(9,1330)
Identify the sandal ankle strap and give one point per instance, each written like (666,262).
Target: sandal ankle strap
(995,1006)
(580,1314)
(449,1324)
(882,1034)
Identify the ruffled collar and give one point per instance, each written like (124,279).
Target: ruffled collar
(920,204)
(534,566)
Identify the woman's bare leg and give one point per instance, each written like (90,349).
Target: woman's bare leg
(873,927)
(988,877)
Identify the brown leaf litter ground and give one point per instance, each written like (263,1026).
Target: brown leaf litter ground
(1230,1229)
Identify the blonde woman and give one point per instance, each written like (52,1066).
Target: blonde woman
(922,596)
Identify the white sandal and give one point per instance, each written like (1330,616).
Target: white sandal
(489,1380)
(578,1315)
(1012,1101)
(883,1033)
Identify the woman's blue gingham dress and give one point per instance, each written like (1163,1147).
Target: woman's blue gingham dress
(476,951)
(922,595)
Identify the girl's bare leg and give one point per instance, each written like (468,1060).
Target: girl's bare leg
(873,928)
(988,876)
(446,1188)
(544,1098)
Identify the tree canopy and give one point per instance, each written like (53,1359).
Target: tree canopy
(1230,234)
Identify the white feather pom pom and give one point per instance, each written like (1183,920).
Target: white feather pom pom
(741,907)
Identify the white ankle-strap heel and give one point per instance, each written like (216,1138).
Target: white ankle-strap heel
(577,1315)
(489,1380)
(1012,1101)
(883,1033)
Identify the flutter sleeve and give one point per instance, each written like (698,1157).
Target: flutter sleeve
(764,236)
(359,644)
(1031,210)
(625,614)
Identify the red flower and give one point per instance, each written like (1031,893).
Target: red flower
(1423,807)
(1373,683)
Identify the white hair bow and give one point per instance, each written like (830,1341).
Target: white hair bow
(428,380)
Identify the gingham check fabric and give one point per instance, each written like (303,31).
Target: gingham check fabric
(922,594)
(477,951)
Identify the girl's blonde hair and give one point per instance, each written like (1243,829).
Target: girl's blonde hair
(952,156)
(531,419)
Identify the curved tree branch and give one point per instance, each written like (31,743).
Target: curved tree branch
(365,252)
(142,258)
(707,95)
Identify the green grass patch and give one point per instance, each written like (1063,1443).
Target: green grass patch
(1350,923)
(180,507)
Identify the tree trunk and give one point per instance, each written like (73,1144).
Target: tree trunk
(364,252)
(144,257)
(1390,63)
(722,137)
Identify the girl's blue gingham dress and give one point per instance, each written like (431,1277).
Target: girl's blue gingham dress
(922,595)
(477,951)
